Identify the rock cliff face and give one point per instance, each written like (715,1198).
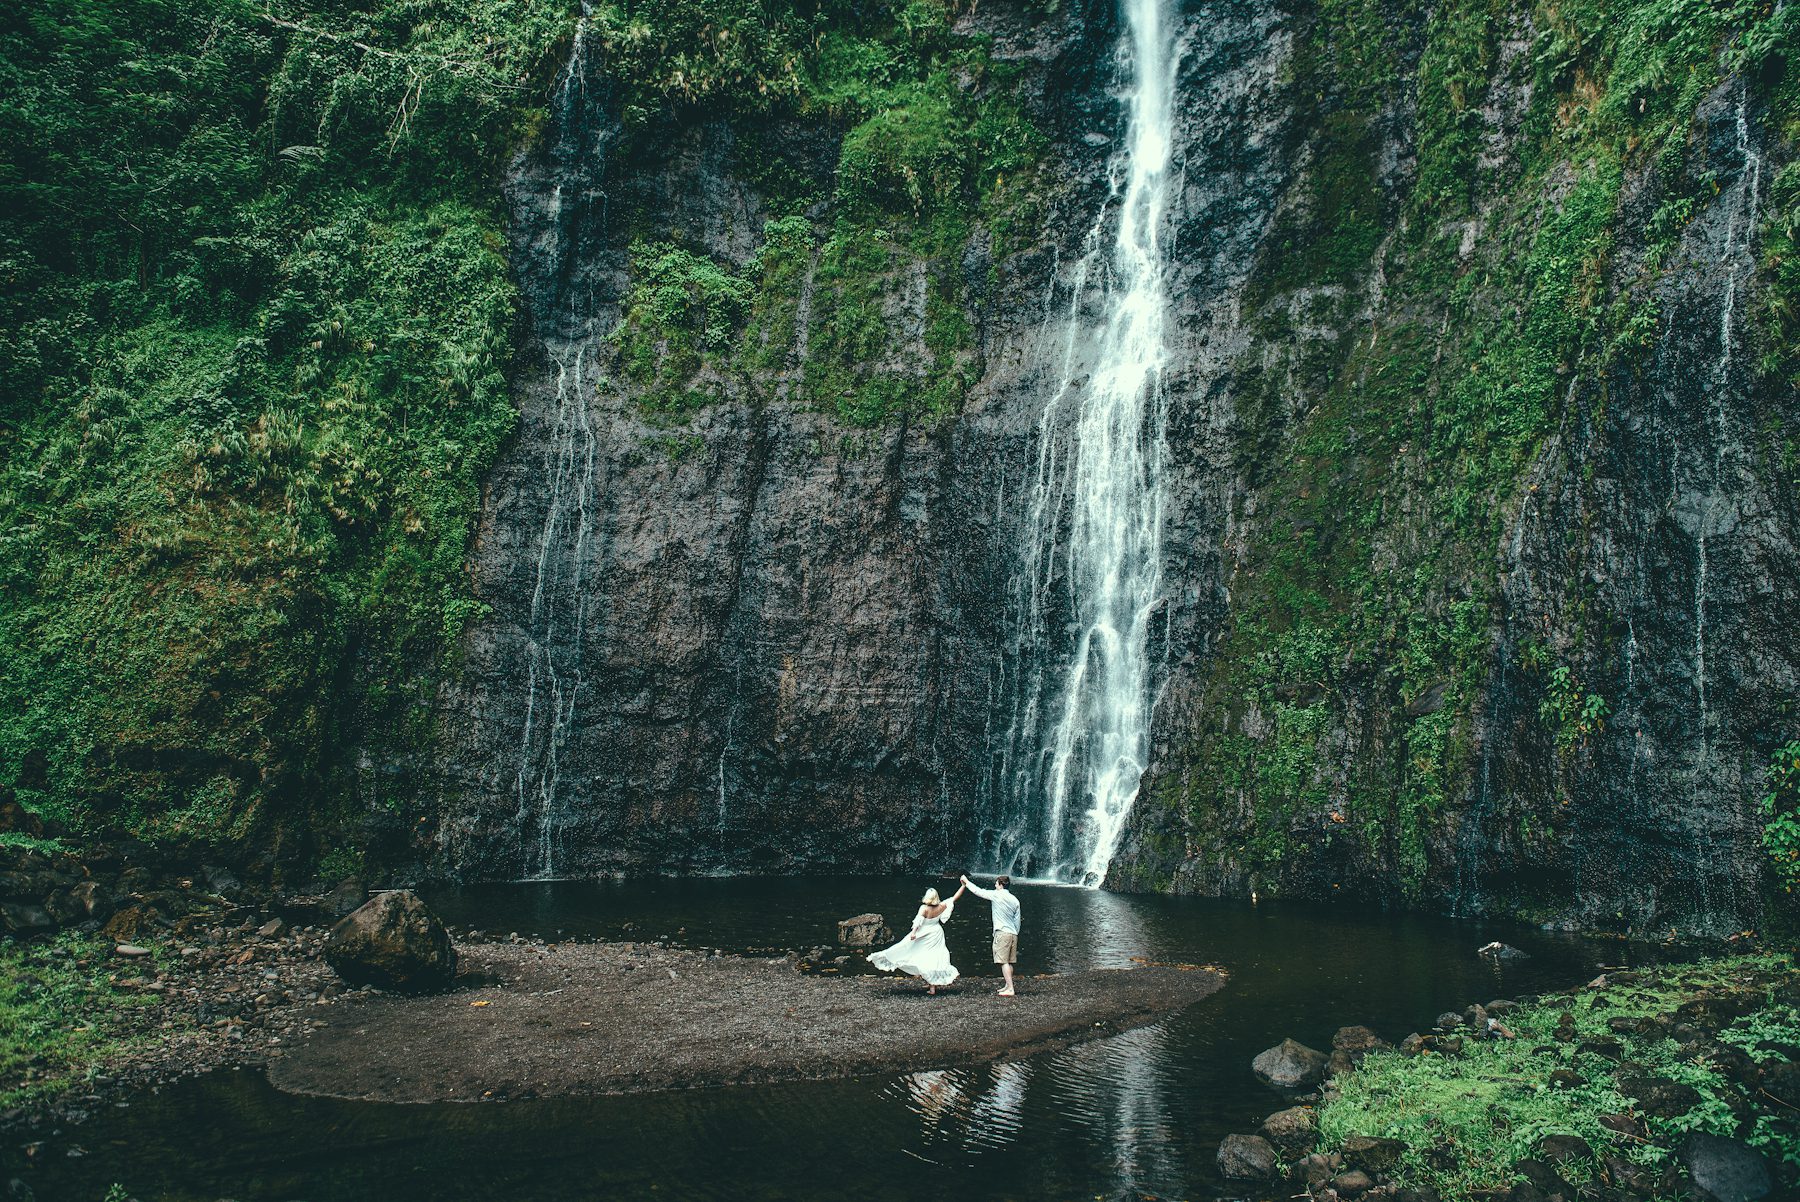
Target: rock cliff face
(753,638)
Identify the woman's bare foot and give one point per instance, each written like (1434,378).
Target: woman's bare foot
(931,991)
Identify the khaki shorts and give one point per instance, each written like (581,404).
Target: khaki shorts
(1006,947)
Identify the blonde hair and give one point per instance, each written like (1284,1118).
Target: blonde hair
(930,898)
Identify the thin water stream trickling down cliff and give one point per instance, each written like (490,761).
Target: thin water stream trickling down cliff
(1439,520)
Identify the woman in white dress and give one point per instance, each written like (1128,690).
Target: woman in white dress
(923,953)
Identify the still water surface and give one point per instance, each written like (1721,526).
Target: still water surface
(1139,1115)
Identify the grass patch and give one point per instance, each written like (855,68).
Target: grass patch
(1487,1108)
(61,1014)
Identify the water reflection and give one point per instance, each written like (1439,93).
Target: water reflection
(974,1109)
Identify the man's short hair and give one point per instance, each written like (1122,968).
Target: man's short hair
(1005,882)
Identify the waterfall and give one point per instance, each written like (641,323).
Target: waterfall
(1739,252)
(1090,573)
(558,621)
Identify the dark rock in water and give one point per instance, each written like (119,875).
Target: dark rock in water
(865,930)
(1660,1097)
(1290,1065)
(1372,1155)
(1412,1045)
(1501,1007)
(1726,1170)
(1293,1131)
(393,942)
(1449,1020)
(1561,1149)
(1502,952)
(346,897)
(1246,1158)
(1352,1184)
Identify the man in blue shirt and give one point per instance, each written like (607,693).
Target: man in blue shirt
(1006,925)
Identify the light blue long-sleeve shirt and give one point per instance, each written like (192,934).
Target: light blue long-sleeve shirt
(1006,907)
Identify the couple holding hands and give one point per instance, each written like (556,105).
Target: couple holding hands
(923,952)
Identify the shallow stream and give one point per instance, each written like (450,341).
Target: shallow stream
(1139,1115)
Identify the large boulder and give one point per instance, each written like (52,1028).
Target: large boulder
(392,942)
(1726,1170)
(1246,1158)
(865,930)
(1290,1065)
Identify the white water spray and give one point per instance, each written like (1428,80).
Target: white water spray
(1080,738)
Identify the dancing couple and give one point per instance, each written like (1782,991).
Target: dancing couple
(923,952)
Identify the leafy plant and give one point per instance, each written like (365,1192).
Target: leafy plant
(1781,815)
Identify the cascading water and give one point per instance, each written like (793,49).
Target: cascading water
(559,602)
(1090,580)
(1728,471)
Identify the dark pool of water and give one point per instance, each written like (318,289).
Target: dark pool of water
(1137,1115)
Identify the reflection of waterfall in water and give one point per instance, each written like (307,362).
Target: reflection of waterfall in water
(1727,470)
(1090,574)
(977,1108)
(1116,1096)
(559,612)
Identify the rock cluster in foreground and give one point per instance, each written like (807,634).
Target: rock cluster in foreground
(1676,1082)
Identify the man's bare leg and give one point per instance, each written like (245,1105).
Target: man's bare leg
(1006,971)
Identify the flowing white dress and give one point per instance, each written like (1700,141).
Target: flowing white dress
(923,953)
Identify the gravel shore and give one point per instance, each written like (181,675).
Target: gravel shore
(538,1020)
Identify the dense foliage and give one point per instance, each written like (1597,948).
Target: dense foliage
(1781,815)
(255,321)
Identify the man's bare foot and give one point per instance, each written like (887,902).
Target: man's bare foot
(1005,993)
